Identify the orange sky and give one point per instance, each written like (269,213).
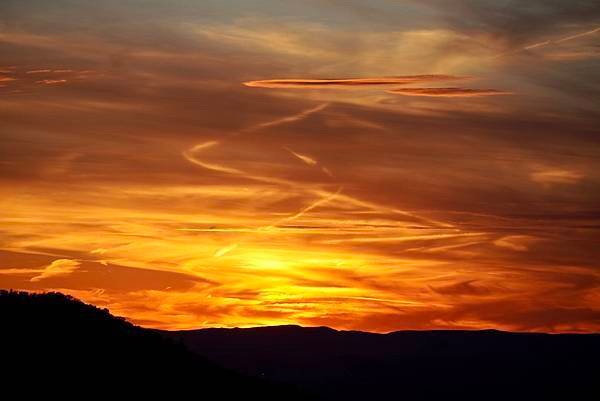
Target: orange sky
(397,165)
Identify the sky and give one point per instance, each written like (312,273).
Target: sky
(379,166)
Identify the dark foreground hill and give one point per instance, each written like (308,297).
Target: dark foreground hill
(55,345)
(410,365)
(51,344)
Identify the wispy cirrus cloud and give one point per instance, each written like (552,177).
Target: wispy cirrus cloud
(448,92)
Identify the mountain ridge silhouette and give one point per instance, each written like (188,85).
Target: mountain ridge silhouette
(408,365)
(56,344)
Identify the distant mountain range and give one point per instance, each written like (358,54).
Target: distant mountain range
(55,344)
(409,365)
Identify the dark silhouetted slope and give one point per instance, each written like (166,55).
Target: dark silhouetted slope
(410,365)
(53,344)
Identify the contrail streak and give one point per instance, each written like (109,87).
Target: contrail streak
(225,250)
(579,35)
(310,161)
(189,155)
(288,119)
(373,206)
(325,197)
(306,159)
(561,40)
(549,42)
(307,209)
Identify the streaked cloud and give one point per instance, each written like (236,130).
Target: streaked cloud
(51,81)
(447,92)
(384,81)
(350,82)
(43,71)
(556,176)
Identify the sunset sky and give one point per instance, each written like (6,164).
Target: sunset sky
(373,165)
